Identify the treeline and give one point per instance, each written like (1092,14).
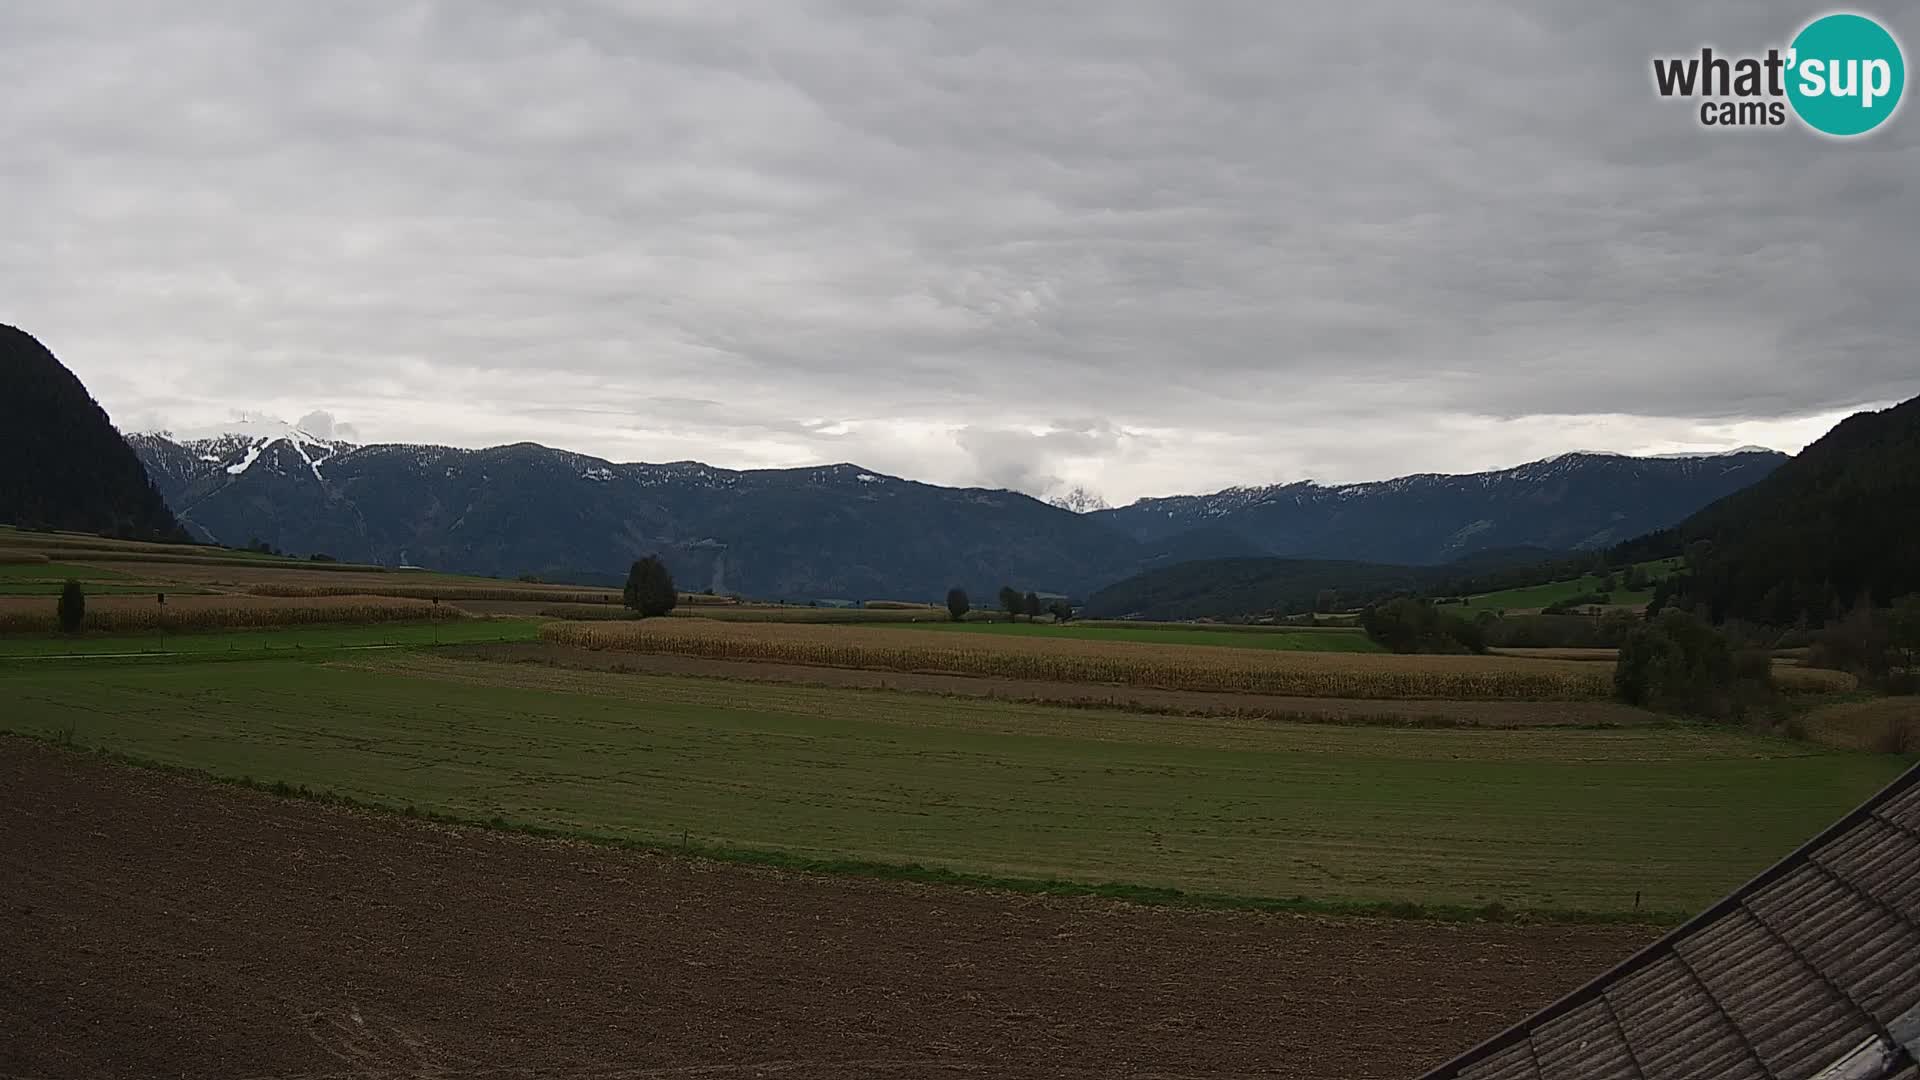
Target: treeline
(1014,602)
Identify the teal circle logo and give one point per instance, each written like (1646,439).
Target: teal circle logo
(1845,74)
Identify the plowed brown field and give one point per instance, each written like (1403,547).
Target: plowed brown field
(161,926)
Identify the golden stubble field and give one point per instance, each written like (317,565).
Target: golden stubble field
(1170,666)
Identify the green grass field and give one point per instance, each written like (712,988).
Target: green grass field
(1301,640)
(1539,596)
(1570,820)
(281,639)
(55,572)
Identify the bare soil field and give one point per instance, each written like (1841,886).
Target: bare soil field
(1435,712)
(163,926)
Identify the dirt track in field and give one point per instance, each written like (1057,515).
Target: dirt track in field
(161,926)
(1494,714)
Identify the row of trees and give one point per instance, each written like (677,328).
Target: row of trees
(650,592)
(1013,602)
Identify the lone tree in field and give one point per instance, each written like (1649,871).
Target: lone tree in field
(1012,602)
(1033,606)
(650,588)
(73,606)
(957,605)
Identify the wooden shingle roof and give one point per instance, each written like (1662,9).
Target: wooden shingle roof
(1810,971)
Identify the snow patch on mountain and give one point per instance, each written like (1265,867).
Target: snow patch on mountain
(1735,452)
(253,455)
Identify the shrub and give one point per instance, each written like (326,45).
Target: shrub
(1679,663)
(73,606)
(957,604)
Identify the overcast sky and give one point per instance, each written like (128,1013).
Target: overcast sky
(1144,247)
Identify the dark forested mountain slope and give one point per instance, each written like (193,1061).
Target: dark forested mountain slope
(1839,520)
(62,464)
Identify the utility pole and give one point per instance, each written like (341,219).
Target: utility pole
(161,600)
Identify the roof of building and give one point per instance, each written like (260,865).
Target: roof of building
(1810,970)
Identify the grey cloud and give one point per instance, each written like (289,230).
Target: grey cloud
(1257,241)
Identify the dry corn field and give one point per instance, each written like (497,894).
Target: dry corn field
(39,615)
(1169,667)
(1887,725)
(1794,679)
(443,592)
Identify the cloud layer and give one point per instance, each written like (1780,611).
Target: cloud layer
(1141,247)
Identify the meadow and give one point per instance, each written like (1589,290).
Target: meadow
(184,613)
(1561,822)
(1535,597)
(302,639)
(327,677)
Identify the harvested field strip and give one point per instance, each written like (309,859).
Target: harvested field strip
(1302,640)
(316,933)
(757,614)
(1171,667)
(175,645)
(1409,712)
(119,614)
(1532,820)
(1598,655)
(1788,675)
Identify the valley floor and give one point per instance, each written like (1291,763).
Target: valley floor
(163,926)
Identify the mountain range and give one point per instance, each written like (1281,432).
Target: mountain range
(843,531)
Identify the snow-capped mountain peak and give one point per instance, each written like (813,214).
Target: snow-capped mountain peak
(1079,500)
(237,445)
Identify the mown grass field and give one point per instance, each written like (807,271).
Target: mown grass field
(1561,820)
(1285,639)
